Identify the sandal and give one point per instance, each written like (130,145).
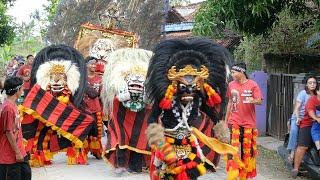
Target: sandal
(294,173)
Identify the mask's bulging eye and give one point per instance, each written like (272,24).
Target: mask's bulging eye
(182,87)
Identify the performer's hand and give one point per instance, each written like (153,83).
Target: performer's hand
(19,157)
(298,121)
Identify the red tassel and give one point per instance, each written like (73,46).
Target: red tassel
(165,103)
(216,98)
(213,97)
(210,102)
(182,176)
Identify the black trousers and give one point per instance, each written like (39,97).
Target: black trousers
(16,171)
(135,162)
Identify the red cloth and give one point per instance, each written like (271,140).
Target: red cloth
(9,121)
(126,130)
(65,117)
(311,105)
(243,113)
(94,105)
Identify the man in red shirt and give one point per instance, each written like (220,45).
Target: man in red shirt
(13,159)
(243,94)
(304,136)
(25,72)
(28,66)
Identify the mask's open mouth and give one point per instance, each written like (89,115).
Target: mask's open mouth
(56,88)
(187,98)
(135,88)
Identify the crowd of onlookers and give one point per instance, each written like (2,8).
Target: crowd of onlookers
(15,65)
(304,124)
(20,67)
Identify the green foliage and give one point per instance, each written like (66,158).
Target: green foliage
(51,9)
(251,51)
(208,21)
(247,17)
(7,2)
(6,30)
(26,42)
(287,36)
(23,44)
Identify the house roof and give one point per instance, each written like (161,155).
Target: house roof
(189,11)
(174,16)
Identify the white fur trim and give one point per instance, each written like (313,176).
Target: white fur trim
(228,73)
(71,70)
(120,62)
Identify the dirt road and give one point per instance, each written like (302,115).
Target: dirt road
(270,166)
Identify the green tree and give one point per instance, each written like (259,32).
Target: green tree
(51,9)
(6,30)
(24,43)
(246,17)
(287,36)
(7,2)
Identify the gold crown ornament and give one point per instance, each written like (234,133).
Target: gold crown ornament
(57,69)
(173,74)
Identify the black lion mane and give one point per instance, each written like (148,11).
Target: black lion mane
(178,52)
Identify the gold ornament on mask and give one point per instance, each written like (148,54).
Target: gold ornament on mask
(57,69)
(135,70)
(173,74)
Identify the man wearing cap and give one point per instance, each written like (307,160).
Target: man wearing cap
(243,94)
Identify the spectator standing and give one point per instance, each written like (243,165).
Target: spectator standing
(304,134)
(298,113)
(14,163)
